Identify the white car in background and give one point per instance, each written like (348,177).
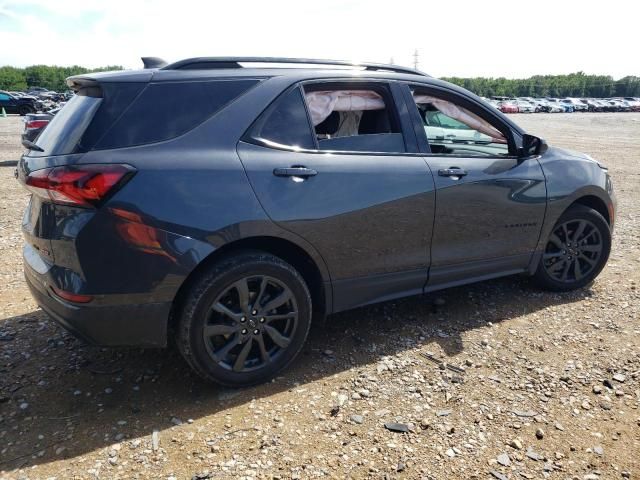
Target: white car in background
(526,107)
(549,107)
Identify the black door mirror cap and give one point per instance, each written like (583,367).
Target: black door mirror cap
(532,146)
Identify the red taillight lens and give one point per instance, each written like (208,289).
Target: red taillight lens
(72,297)
(36,124)
(79,185)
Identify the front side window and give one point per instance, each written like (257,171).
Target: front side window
(354,119)
(452,129)
(4,96)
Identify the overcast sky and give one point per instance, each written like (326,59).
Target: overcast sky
(509,38)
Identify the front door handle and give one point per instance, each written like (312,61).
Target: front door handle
(452,172)
(294,172)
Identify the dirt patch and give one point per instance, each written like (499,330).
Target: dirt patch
(550,387)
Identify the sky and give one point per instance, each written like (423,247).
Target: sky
(465,38)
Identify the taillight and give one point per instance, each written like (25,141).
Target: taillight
(33,124)
(78,185)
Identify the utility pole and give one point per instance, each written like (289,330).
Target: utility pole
(415,59)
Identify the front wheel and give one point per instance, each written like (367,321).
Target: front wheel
(577,250)
(245,319)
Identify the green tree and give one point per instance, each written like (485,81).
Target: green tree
(576,84)
(51,77)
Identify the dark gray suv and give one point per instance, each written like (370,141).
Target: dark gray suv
(224,202)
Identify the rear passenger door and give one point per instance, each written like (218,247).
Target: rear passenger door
(350,182)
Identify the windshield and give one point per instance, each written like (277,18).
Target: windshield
(62,135)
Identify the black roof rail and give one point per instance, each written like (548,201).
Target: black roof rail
(153,62)
(206,63)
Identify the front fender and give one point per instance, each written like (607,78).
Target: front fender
(570,177)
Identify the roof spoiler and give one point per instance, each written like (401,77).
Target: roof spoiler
(153,62)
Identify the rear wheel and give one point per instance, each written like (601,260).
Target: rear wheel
(576,251)
(25,110)
(245,319)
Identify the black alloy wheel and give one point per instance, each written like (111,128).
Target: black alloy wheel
(573,251)
(250,323)
(244,319)
(576,251)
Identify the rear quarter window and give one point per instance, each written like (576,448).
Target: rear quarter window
(167,110)
(63,133)
(285,123)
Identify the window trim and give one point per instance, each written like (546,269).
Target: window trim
(468,103)
(396,99)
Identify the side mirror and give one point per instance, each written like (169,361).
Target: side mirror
(532,145)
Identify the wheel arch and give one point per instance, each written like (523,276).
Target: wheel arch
(591,197)
(316,276)
(595,202)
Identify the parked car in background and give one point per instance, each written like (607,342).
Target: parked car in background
(20,105)
(232,251)
(34,123)
(618,105)
(578,105)
(549,107)
(567,106)
(632,103)
(507,106)
(526,107)
(592,104)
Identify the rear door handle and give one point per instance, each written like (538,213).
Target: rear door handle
(452,172)
(294,172)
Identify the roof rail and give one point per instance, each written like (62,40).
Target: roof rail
(206,63)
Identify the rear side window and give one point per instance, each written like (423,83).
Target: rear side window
(285,123)
(166,110)
(348,119)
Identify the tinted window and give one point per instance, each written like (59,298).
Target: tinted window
(285,123)
(166,110)
(65,129)
(117,98)
(4,96)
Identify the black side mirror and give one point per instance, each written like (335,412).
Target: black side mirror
(532,145)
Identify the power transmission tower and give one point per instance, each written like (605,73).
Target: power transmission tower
(415,59)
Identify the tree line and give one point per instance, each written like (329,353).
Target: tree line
(577,85)
(51,77)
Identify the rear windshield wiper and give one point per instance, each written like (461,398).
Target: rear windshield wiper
(31,146)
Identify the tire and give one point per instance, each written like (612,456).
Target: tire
(25,110)
(276,335)
(581,235)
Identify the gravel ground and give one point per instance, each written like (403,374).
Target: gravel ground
(550,385)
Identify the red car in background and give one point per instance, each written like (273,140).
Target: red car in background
(507,106)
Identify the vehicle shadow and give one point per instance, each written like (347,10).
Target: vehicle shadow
(60,398)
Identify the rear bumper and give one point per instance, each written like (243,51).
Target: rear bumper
(142,325)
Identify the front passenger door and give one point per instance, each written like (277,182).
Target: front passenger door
(489,204)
